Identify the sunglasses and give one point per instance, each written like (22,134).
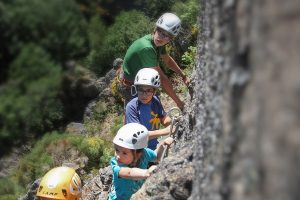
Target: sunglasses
(162,34)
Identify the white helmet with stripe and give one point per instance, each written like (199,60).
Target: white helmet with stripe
(170,23)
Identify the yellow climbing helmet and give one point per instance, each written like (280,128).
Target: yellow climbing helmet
(60,183)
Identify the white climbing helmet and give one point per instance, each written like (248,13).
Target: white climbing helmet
(147,76)
(170,23)
(132,136)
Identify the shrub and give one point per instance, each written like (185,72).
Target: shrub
(97,150)
(57,26)
(44,154)
(128,27)
(188,59)
(114,90)
(8,189)
(118,123)
(30,102)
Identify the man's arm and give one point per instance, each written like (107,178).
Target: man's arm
(170,62)
(167,86)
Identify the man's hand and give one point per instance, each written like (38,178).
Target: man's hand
(186,80)
(180,105)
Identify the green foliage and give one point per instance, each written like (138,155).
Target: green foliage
(37,35)
(118,123)
(97,32)
(38,161)
(8,189)
(56,25)
(128,27)
(93,127)
(43,155)
(31,64)
(100,111)
(8,197)
(188,59)
(155,8)
(187,10)
(97,150)
(29,102)
(115,92)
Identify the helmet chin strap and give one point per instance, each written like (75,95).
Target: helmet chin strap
(133,90)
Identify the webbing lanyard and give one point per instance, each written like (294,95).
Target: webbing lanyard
(175,114)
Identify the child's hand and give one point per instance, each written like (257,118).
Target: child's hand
(151,169)
(168,141)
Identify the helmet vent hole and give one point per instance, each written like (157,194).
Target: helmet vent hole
(134,141)
(138,133)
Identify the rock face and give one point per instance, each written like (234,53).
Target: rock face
(240,135)
(98,187)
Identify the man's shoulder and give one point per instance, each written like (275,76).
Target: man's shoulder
(146,37)
(144,41)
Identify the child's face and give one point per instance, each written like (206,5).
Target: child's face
(145,93)
(161,37)
(123,155)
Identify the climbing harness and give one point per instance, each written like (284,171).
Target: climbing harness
(175,114)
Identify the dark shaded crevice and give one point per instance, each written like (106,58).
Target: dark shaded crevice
(239,79)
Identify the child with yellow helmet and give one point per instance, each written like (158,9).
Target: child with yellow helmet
(61,183)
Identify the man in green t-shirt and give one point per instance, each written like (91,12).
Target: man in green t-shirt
(147,51)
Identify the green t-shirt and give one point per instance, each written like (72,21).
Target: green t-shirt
(141,54)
